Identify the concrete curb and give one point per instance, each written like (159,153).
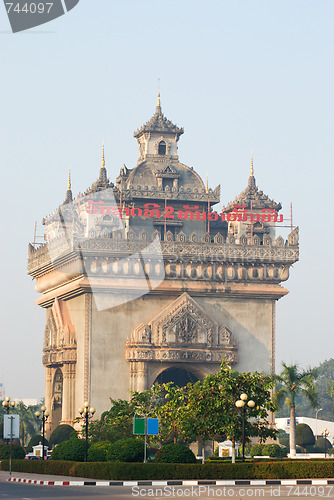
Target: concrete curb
(218,482)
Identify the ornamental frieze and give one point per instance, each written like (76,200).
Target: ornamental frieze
(181,355)
(66,248)
(58,358)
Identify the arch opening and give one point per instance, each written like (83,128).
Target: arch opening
(57,396)
(179,376)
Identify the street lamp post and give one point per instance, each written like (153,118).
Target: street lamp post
(45,414)
(325,434)
(86,413)
(8,404)
(241,403)
(316,422)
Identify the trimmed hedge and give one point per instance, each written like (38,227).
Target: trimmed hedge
(286,469)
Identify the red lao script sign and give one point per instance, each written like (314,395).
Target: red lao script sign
(239,212)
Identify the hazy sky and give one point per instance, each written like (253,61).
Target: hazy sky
(251,74)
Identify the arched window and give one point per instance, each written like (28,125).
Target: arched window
(162,148)
(58,388)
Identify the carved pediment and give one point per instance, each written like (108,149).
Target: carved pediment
(184,332)
(168,172)
(184,322)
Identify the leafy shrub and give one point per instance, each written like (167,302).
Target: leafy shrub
(126,450)
(175,453)
(247,451)
(285,441)
(61,433)
(17,451)
(320,443)
(331,451)
(35,440)
(73,449)
(256,450)
(274,450)
(216,452)
(98,451)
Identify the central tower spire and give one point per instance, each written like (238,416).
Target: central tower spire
(158,137)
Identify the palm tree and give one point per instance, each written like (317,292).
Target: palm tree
(29,425)
(292,382)
(331,392)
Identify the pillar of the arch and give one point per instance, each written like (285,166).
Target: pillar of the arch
(138,376)
(68,400)
(48,399)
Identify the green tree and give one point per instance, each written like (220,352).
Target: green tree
(323,385)
(29,426)
(170,404)
(331,392)
(202,410)
(304,436)
(114,424)
(213,411)
(291,382)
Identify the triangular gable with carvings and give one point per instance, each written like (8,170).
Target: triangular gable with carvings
(184,322)
(182,332)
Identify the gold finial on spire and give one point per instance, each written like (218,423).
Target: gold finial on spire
(103,161)
(69,180)
(158,100)
(252,166)
(207,184)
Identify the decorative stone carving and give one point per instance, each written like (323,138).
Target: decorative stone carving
(279,241)
(218,239)
(59,336)
(182,332)
(293,237)
(181,237)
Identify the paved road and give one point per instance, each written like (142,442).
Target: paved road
(19,491)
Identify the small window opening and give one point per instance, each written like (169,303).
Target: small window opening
(162,148)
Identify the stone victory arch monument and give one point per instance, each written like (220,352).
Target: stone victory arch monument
(142,280)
